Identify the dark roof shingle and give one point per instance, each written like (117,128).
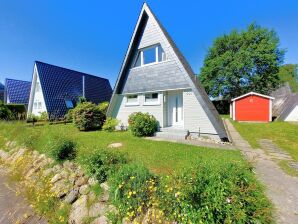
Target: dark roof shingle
(17,91)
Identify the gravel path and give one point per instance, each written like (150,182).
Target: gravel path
(13,207)
(281,188)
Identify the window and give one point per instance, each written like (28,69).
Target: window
(150,55)
(39,105)
(161,54)
(132,99)
(69,104)
(35,105)
(151,99)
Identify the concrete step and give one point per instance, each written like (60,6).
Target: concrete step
(173,134)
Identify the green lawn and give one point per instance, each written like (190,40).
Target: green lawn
(283,134)
(159,157)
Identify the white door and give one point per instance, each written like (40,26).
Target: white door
(175,104)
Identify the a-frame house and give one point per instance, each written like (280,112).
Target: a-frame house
(156,78)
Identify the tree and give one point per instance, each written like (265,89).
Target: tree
(289,73)
(241,62)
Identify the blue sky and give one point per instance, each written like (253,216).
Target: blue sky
(92,36)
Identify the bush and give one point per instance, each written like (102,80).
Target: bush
(131,188)
(214,194)
(62,149)
(18,111)
(103,106)
(87,116)
(44,116)
(5,113)
(142,124)
(69,116)
(32,118)
(110,124)
(101,164)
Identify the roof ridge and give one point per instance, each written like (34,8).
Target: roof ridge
(69,69)
(17,80)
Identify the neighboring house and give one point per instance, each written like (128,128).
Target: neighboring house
(252,107)
(17,91)
(55,89)
(1,92)
(156,78)
(285,105)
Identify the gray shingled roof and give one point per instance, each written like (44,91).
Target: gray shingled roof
(285,101)
(197,88)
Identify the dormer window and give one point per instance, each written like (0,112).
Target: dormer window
(150,55)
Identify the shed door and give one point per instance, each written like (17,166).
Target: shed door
(252,108)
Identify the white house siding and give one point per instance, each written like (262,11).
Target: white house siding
(195,118)
(36,97)
(122,111)
(293,116)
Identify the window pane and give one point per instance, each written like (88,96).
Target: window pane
(151,97)
(35,105)
(138,61)
(37,87)
(39,105)
(149,55)
(161,54)
(132,98)
(69,104)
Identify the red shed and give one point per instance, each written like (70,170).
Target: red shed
(252,107)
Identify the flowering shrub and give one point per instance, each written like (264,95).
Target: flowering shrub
(87,116)
(142,124)
(110,124)
(203,194)
(103,163)
(130,189)
(103,107)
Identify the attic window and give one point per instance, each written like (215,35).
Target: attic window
(69,104)
(149,55)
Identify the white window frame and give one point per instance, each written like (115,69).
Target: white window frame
(132,103)
(157,102)
(35,105)
(39,105)
(141,53)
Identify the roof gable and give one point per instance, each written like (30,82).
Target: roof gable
(253,93)
(17,91)
(185,78)
(59,84)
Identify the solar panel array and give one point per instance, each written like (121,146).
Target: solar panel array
(17,91)
(59,84)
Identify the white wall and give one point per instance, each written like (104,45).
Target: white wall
(36,97)
(122,111)
(195,118)
(293,116)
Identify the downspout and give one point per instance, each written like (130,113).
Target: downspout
(83,87)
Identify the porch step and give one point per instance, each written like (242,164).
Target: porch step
(172,133)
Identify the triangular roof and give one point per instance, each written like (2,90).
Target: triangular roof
(58,84)
(1,87)
(253,93)
(17,91)
(185,68)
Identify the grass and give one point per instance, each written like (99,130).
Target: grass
(288,73)
(159,157)
(283,134)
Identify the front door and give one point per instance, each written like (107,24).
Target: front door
(175,108)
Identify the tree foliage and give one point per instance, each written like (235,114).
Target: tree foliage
(289,73)
(243,61)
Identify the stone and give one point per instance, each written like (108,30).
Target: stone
(84,189)
(61,188)
(100,220)
(81,181)
(92,196)
(69,165)
(92,181)
(97,209)
(115,145)
(71,196)
(104,197)
(48,171)
(64,174)
(105,186)
(56,178)
(79,211)
(18,154)
(4,155)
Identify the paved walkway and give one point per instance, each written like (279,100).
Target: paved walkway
(13,207)
(281,188)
